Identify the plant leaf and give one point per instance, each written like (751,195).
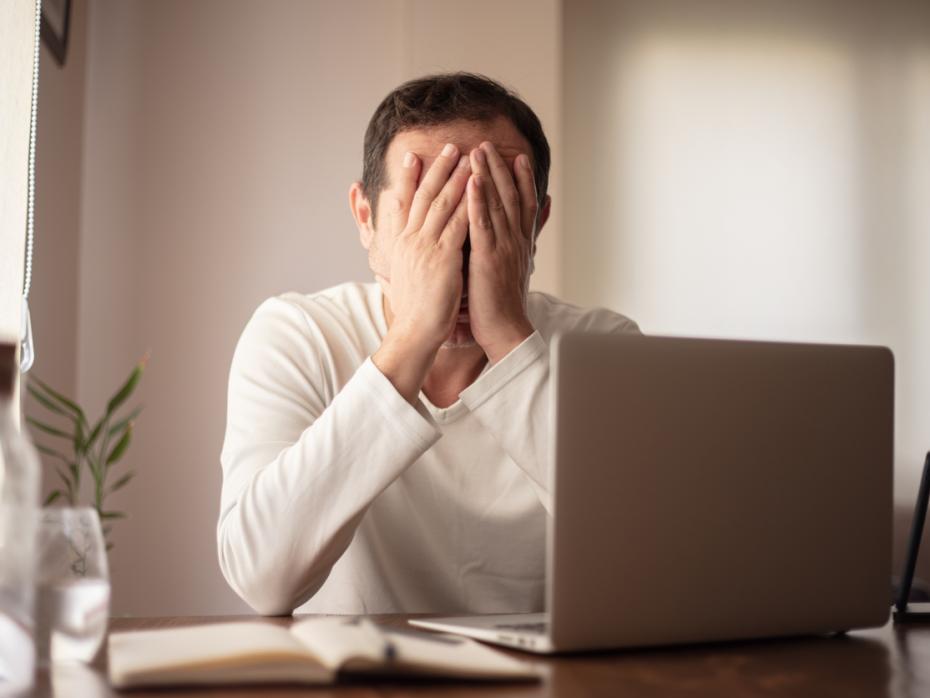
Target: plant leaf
(55,494)
(117,452)
(130,385)
(95,432)
(112,515)
(50,452)
(70,486)
(78,439)
(74,492)
(70,405)
(41,426)
(122,481)
(46,402)
(121,424)
(64,478)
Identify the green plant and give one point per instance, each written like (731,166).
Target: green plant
(96,449)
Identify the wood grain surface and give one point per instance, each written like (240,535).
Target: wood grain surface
(889,661)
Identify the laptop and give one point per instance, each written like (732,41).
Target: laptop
(710,490)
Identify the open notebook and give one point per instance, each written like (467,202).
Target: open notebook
(312,651)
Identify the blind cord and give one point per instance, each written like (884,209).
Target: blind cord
(27,347)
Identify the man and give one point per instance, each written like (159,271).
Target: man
(386,443)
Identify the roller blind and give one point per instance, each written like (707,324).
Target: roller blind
(17,33)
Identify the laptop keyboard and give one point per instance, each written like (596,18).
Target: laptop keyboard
(535,628)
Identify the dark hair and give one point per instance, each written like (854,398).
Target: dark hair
(439,99)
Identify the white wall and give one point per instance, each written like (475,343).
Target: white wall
(219,142)
(758,170)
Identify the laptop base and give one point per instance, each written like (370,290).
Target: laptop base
(523,631)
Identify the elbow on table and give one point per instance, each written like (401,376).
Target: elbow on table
(268,587)
(266,604)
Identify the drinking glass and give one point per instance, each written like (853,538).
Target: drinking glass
(72,585)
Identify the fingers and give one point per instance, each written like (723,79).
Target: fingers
(495,213)
(433,183)
(457,228)
(503,181)
(446,202)
(404,190)
(526,185)
(479,223)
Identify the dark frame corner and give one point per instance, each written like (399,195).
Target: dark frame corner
(905,612)
(55,31)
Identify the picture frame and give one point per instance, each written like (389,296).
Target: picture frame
(55,23)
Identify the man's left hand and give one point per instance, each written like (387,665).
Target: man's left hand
(502,211)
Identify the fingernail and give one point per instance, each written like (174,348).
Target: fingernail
(449,150)
(524,161)
(408,159)
(463,162)
(479,156)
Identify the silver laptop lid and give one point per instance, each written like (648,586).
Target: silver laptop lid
(712,489)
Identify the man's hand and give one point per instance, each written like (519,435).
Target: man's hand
(429,225)
(502,218)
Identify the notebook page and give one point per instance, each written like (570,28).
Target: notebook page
(336,640)
(212,653)
(342,643)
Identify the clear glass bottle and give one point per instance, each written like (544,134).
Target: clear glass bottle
(19,508)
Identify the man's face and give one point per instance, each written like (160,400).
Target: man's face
(427,143)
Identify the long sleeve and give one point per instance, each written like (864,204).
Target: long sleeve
(302,466)
(512,401)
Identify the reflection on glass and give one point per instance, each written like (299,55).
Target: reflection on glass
(73,587)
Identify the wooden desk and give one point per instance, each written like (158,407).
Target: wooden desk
(890,661)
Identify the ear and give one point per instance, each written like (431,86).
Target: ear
(543,214)
(541,221)
(361,212)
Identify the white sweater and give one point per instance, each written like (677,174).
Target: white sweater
(340,497)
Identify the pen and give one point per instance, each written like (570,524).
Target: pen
(388,649)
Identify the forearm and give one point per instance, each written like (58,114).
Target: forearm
(518,385)
(286,522)
(405,360)
(513,399)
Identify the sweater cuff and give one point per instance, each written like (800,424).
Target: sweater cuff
(500,374)
(396,410)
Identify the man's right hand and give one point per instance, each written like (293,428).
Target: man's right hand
(429,225)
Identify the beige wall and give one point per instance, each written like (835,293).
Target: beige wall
(758,170)
(220,139)
(522,48)
(54,297)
